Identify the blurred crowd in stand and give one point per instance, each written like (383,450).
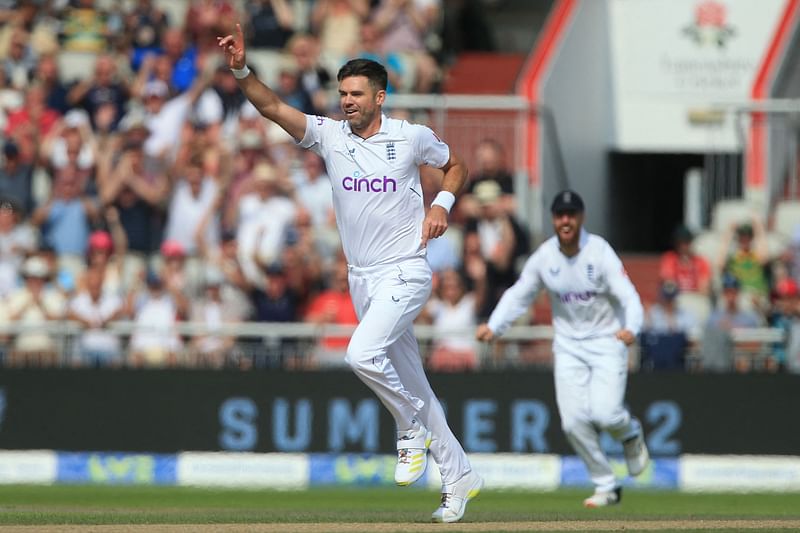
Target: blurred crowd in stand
(705,298)
(146,190)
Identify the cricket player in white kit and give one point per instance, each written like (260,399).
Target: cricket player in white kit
(597,314)
(373,163)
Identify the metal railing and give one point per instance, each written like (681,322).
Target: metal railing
(298,345)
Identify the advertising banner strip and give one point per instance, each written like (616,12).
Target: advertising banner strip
(116,468)
(244,470)
(743,473)
(332,412)
(661,473)
(29,467)
(352,469)
(540,472)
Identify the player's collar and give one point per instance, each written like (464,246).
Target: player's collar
(584,238)
(384,127)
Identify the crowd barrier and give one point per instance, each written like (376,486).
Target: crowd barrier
(270,345)
(534,472)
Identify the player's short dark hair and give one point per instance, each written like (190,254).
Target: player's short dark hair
(372,70)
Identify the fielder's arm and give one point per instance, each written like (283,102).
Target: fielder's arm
(262,97)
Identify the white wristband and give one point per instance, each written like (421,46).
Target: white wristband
(444,199)
(240,73)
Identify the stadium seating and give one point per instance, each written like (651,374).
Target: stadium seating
(727,212)
(786,221)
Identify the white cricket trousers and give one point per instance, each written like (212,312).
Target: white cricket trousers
(590,379)
(384,354)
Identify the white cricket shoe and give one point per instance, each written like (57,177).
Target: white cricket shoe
(636,454)
(412,454)
(603,498)
(455,498)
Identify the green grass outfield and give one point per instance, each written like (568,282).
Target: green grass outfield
(39,505)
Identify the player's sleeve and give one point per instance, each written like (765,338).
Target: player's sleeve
(622,289)
(517,298)
(318,132)
(429,149)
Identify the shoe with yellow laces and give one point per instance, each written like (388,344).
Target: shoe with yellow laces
(412,454)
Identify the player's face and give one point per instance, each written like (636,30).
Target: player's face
(567,225)
(360,102)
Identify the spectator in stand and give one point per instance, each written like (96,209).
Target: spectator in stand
(20,61)
(212,349)
(718,353)
(231,100)
(370,48)
(30,123)
(17,241)
(264,217)
(223,259)
(48,76)
(405,26)
(337,24)
(270,23)
(154,342)
(105,255)
(205,19)
(62,273)
(192,196)
(125,183)
(747,259)
(16,178)
(490,166)
(72,143)
(291,91)
(67,217)
(665,334)
(333,306)
(84,28)
(201,141)
(34,19)
(103,92)
(689,271)
(314,78)
(94,307)
(181,57)
(453,309)
(33,306)
(252,150)
(783,314)
(182,279)
(276,302)
(165,116)
(147,24)
(500,239)
(313,189)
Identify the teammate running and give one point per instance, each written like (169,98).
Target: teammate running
(596,316)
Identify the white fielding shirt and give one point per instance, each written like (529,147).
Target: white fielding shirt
(590,293)
(377,195)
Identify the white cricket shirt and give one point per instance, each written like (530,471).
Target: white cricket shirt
(590,293)
(377,194)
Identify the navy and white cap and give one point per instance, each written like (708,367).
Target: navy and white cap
(567,201)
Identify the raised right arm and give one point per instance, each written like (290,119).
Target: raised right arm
(262,97)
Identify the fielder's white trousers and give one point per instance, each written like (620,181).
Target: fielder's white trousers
(384,354)
(590,379)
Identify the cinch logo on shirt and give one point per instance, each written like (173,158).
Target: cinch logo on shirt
(384,184)
(569,297)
